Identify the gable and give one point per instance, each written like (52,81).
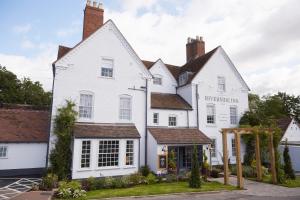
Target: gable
(109,27)
(160,68)
(219,64)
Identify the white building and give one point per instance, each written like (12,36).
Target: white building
(133,112)
(291,135)
(23,140)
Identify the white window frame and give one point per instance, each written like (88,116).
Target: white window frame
(156,117)
(6,152)
(121,115)
(157,79)
(213,150)
(105,66)
(85,154)
(233,147)
(170,122)
(221,84)
(109,153)
(82,106)
(233,118)
(129,154)
(211,118)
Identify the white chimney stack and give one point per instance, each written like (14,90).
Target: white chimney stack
(94,3)
(100,6)
(88,2)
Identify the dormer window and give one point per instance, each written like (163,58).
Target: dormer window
(107,68)
(157,80)
(221,84)
(183,78)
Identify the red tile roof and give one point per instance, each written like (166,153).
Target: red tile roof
(175,70)
(62,50)
(23,124)
(164,135)
(90,130)
(169,101)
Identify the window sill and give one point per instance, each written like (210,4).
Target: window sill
(129,167)
(3,157)
(107,168)
(211,125)
(84,169)
(106,77)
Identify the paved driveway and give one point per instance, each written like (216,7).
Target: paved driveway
(254,191)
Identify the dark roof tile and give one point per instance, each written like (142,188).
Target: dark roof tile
(169,101)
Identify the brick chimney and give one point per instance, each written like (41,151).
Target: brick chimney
(93,18)
(194,48)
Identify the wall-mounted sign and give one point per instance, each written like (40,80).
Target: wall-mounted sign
(221,99)
(162,161)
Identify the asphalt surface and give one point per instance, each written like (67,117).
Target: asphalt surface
(6,181)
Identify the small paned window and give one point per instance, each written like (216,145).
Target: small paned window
(221,84)
(211,114)
(213,148)
(233,115)
(86,106)
(157,80)
(172,121)
(85,154)
(155,118)
(107,68)
(108,153)
(3,151)
(125,108)
(233,147)
(129,152)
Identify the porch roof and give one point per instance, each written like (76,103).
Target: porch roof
(166,135)
(93,130)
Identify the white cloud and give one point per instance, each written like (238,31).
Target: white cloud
(73,29)
(21,29)
(27,44)
(38,68)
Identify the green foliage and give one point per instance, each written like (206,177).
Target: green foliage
(205,167)
(145,170)
(61,155)
(215,172)
(13,90)
(171,178)
(195,181)
(171,161)
(288,169)
(89,184)
(70,190)
(49,182)
(136,178)
(151,179)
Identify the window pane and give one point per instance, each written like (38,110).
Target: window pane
(86,106)
(108,153)
(107,68)
(129,152)
(125,108)
(172,121)
(157,81)
(221,83)
(85,154)
(233,148)
(155,118)
(211,114)
(233,115)
(213,148)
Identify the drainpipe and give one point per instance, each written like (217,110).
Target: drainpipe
(197,98)
(187,118)
(146,122)
(51,105)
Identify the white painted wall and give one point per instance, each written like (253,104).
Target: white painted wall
(152,153)
(292,133)
(164,117)
(168,81)
(207,80)
(24,155)
(94,170)
(294,152)
(80,71)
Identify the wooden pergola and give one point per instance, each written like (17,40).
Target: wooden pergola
(237,133)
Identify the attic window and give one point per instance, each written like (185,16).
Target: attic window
(221,84)
(107,68)
(157,80)
(183,78)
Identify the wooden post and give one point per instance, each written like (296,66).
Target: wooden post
(225,158)
(240,182)
(272,158)
(258,160)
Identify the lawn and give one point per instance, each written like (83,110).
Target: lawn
(155,189)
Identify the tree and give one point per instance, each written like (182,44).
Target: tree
(15,91)
(195,181)
(172,162)
(288,169)
(61,156)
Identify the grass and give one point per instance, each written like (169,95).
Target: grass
(156,189)
(289,183)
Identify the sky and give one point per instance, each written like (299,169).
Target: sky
(262,38)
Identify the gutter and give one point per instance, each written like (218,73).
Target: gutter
(51,108)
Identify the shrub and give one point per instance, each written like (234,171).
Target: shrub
(136,178)
(171,162)
(49,182)
(108,182)
(171,178)
(145,170)
(70,190)
(100,183)
(151,179)
(205,167)
(215,173)
(195,181)
(89,184)
(249,172)
(288,169)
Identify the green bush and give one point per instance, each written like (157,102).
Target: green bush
(70,190)
(151,179)
(89,184)
(171,178)
(49,182)
(100,183)
(195,181)
(288,169)
(145,170)
(109,182)
(136,178)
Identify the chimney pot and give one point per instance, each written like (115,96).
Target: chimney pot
(88,2)
(194,48)
(93,19)
(100,6)
(94,3)
(201,38)
(197,38)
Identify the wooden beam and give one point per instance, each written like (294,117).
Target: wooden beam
(225,158)
(240,181)
(272,159)
(258,160)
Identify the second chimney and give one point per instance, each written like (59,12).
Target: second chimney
(93,18)
(194,48)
